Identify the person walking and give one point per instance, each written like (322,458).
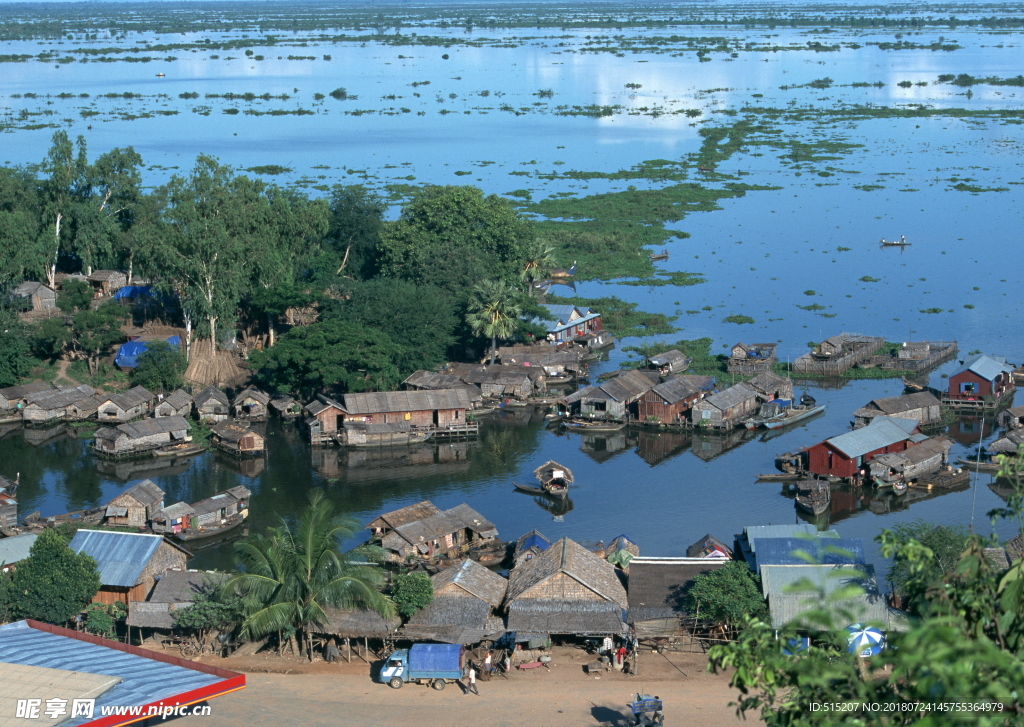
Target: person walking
(471,680)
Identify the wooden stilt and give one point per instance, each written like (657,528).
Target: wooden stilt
(348,650)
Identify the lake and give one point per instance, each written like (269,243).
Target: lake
(515,110)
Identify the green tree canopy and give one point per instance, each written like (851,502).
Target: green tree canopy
(93,332)
(16,360)
(494,312)
(454,237)
(210,610)
(160,367)
(329,354)
(293,574)
(946,543)
(74,295)
(726,595)
(412,592)
(353,238)
(54,583)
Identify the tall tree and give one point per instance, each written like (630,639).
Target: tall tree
(357,217)
(64,189)
(493,312)
(93,332)
(537,264)
(54,583)
(293,574)
(20,213)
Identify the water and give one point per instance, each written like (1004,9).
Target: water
(762,255)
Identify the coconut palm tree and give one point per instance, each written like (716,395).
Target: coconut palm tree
(493,312)
(290,576)
(539,259)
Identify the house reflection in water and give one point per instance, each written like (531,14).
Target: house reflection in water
(602,446)
(391,463)
(654,447)
(707,446)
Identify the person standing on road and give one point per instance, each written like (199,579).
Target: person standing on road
(488,666)
(471,680)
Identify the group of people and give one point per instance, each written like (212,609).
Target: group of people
(484,671)
(616,655)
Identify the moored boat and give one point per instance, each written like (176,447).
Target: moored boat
(980,465)
(813,496)
(779,477)
(593,426)
(185,449)
(785,416)
(554,478)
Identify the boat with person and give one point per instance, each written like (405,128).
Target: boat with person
(554,479)
(902,242)
(813,496)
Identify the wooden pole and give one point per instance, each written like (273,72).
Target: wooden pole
(348,650)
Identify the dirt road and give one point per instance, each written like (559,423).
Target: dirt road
(343,694)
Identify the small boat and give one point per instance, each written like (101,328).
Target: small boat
(529,489)
(807,408)
(160,75)
(208,532)
(902,242)
(980,465)
(663,255)
(813,496)
(90,516)
(577,425)
(563,273)
(779,477)
(554,478)
(899,487)
(185,449)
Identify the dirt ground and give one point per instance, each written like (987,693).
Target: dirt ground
(290,691)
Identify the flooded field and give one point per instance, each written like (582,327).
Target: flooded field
(768,162)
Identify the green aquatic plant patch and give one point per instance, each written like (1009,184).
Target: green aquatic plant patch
(676,278)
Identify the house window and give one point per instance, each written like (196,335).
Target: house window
(408,416)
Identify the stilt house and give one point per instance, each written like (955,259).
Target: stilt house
(980,377)
(237,439)
(924,458)
(755,358)
(725,409)
(921,406)
(212,405)
(251,405)
(463,611)
(136,506)
(847,454)
(177,403)
(614,399)
(140,436)
(668,402)
(770,386)
(449,533)
(1012,418)
(124,407)
(14,398)
(52,404)
(656,590)
(669,362)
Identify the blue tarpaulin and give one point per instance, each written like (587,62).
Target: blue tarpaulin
(134,291)
(128,354)
(435,658)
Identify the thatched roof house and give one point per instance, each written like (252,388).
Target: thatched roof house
(140,436)
(177,403)
(175,589)
(669,362)
(51,404)
(125,406)
(384,524)
(41,297)
(212,405)
(770,385)
(357,623)
(15,397)
(656,590)
(137,505)
(470,579)
(251,404)
(751,359)
(236,438)
(726,408)
(108,282)
(565,590)
(922,406)
(447,533)
(462,611)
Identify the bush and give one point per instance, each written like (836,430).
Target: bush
(160,367)
(725,595)
(411,592)
(54,583)
(74,295)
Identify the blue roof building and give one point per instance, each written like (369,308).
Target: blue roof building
(570,321)
(128,563)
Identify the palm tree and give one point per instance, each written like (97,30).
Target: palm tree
(291,576)
(539,258)
(493,312)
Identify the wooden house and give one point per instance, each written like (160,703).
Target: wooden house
(251,405)
(14,398)
(212,405)
(428,409)
(141,436)
(286,407)
(770,386)
(656,590)
(669,362)
(981,379)
(136,506)
(173,518)
(216,510)
(1008,444)
(40,296)
(754,358)
(237,439)
(845,455)
(725,409)
(463,610)
(128,563)
(432,380)
(124,407)
(668,402)
(924,458)
(386,523)
(174,590)
(614,399)
(176,404)
(8,505)
(107,282)
(569,322)
(52,404)
(448,534)
(86,408)
(559,365)
(838,354)
(326,419)
(921,406)
(565,589)
(1012,418)
(517,382)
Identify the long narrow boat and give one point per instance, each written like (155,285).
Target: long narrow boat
(554,478)
(209,531)
(593,426)
(786,417)
(971,464)
(780,477)
(813,496)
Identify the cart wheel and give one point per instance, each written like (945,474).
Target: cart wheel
(205,650)
(188,651)
(438,684)
(395,683)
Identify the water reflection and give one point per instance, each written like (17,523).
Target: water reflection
(708,446)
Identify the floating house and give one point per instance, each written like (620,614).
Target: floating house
(614,399)
(844,456)
(389,521)
(128,353)
(52,404)
(570,322)
(286,407)
(251,405)
(212,405)
(770,386)
(838,354)
(176,404)
(173,518)
(924,458)
(725,409)
(656,590)
(449,533)
(216,511)
(1012,418)
(982,382)
(141,436)
(754,358)
(669,362)
(236,438)
(41,297)
(567,590)
(128,563)
(559,365)
(14,398)
(464,607)
(123,407)
(669,402)
(921,406)
(1008,444)
(136,506)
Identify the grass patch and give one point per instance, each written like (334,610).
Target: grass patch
(738,319)
(869,279)
(680,279)
(269,169)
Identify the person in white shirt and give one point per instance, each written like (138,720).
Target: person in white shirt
(471,681)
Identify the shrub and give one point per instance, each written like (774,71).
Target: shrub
(412,592)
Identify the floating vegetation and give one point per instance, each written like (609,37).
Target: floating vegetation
(738,319)
(680,279)
(869,279)
(269,169)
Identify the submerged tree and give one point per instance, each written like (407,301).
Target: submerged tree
(493,312)
(292,575)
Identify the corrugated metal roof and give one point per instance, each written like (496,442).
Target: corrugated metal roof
(986,367)
(829,551)
(145,680)
(628,386)
(759,532)
(668,358)
(120,557)
(149,427)
(400,401)
(16,548)
(562,314)
(880,433)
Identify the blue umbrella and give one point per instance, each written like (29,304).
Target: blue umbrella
(864,640)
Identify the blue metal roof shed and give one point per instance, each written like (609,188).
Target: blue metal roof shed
(882,432)
(795,551)
(120,557)
(128,354)
(986,367)
(147,677)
